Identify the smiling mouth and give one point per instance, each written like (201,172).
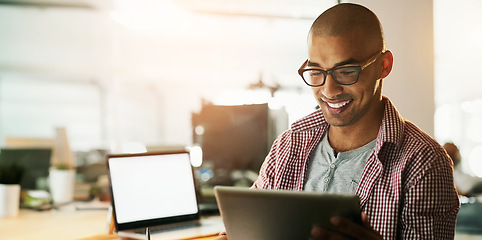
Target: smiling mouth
(337,105)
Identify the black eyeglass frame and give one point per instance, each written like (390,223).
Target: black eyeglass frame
(357,69)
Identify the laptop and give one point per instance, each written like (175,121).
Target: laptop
(281,215)
(156,190)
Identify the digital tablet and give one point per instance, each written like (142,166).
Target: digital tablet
(269,214)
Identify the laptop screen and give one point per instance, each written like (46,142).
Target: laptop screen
(152,189)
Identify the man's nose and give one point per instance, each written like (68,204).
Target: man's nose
(331,88)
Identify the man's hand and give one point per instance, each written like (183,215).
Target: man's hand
(346,230)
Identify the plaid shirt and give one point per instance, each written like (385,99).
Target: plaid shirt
(406,188)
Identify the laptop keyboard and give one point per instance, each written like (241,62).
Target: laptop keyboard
(168,227)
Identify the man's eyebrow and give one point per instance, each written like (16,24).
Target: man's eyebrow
(346,62)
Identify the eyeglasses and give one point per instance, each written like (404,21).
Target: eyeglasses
(343,75)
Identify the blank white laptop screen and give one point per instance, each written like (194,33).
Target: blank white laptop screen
(152,186)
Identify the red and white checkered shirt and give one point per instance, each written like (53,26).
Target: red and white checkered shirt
(406,188)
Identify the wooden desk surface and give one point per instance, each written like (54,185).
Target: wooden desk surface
(63,224)
(54,224)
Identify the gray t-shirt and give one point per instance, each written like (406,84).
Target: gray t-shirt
(340,174)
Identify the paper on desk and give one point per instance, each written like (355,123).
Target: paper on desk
(92,205)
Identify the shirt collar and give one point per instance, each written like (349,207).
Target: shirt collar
(392,128)
(311,121)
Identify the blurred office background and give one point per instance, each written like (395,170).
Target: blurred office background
(129,76)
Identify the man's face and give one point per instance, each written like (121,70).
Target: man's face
(345,105)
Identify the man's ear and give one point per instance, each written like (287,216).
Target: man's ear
(387,63)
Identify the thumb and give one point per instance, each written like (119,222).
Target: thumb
(365,220)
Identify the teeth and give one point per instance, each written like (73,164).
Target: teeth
(337,105)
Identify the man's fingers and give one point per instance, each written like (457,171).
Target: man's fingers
(319,233)
(354,230)
(366,220)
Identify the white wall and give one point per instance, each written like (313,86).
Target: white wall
(458,97)
(408,27)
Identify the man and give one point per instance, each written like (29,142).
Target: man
(358,143)
(466,184)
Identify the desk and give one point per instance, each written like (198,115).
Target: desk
(63,224)
(54,224)
(68,223)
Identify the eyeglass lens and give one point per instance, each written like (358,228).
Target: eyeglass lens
(343,75)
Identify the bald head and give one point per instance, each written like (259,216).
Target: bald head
(348,18)
(453,152)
